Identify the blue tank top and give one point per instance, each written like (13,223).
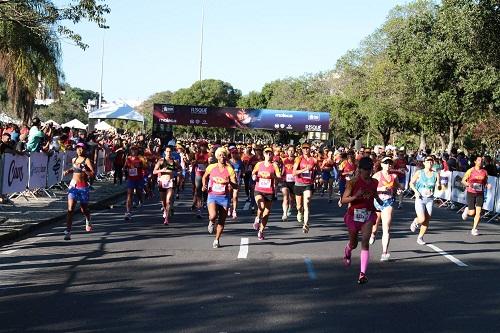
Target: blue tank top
(426,184)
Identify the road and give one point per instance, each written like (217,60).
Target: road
(142,276)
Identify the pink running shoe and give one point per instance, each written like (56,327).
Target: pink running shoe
(260,235)
(256,223)
(165,222)
(88,227)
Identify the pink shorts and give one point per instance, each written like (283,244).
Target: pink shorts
(354,226)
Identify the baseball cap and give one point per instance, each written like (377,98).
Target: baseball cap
(80,144)
(387,160)
(268,149)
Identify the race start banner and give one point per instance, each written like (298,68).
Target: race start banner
(229,117)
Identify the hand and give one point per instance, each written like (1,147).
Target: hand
(399,191)
(204,188)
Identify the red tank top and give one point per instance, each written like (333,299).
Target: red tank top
(477,180)
(369,188)
(306,177)
(385,187)
(201,163)
(288,170)
(265,178)
(135,165)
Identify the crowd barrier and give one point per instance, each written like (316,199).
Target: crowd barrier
(41,171)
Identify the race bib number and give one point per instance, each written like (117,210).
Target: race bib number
(361,215)
(132,172)
(427,193)
(477,187)
(219,187)
(289,177)
(264,183)
(166,183)
(202,167)
(306,175)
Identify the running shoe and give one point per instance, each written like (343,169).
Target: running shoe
(464,214)
(127,216)
(289,212)
(385,256)
(400,205)
(260,235)
(420,241)
(235,216)
(216,244)
(88,226)
(139,206)
(372,239)
(67,235)
(474,232)
(211,228)
(164,213)
(362,278)
(284,218)
(347,258)
(165,221)
(300,218)
(340,203)
(413,226)
(305,229)
(256,223)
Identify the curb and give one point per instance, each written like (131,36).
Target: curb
(27,228)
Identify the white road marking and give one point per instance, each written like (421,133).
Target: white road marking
(247,206)
(243,249)
(8,252)
(310,269)
(447,256)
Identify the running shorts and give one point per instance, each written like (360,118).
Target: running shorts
(135,184)
(385,204)
(300,189)
(219,200)
(267,196)
(354,226)
(474,200)
(79,194)
(424,205)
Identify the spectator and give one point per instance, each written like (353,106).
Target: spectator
(6,145)
(490,167)
(452,161)
(35,137)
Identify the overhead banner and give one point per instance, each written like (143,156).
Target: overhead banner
(15,173)
(38,170)
(55,169)
(229,117)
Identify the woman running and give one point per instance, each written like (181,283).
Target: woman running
(288,183)
(78,190)
(135,165)
(423,184)
(475,180)
(265,174)
(388,186)
(238,167)
(346,171)
(360,193)
(217,180)
(164,169)
(200,164)
(327,175)
(304,170)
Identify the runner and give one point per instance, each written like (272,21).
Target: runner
(360,193)
(135,164)
(387,187)
(288,183)
(304,170)
(258,157)
(216,181)
(475,180)
(78,190)
(238,168)
(164,170)
(423,184)
(265,174)
(327,174)
(399,168)
(347,169)
(200,163)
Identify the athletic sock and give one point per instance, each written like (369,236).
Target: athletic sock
(365,257)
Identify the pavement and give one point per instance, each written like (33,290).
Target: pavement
(142,276)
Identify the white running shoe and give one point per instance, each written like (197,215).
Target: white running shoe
(340,203)
(284,218)
(474,232)
(385,256)
(372,240)
(420,241)
(210,228)
(216,244)
(67,235)
(465,213)
(413,226)
(300,217)
(128,216)
(256,223)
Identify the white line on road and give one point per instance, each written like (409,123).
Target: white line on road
(8,252)
(447,256)
(310,269)
(243,249)
(247,206)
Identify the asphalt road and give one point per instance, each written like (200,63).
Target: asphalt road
(141,276)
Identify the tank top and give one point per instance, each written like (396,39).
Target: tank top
(135,166)
(201,163)
(347,167)
(363,207)
(288,170)
(328,166)
(477,179)
(426,184)
(387,192)
(265,177)
(219,179)
(307,177)
(80,167)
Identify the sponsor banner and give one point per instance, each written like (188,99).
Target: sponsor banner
(67,164)
(497,197)
(457,188)
(446,188)
(489,194)
(55,169)
(38,170)
(228,117)
(15,173)
(100,162)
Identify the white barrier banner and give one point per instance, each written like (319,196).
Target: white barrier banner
(100,162)
(446,186)
(67,161)
(489,194)
(38,170)
(15,173)
(55,169)
(457,188)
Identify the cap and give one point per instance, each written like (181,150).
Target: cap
(80,144)
(386,160)
(268,149)
(305,145)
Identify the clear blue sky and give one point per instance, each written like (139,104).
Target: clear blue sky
(154,45)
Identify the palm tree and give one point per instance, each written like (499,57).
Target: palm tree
(28,58)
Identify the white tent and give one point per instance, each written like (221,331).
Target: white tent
(7,119)
(56,125)
(120,111)
(103,126)
(75,123)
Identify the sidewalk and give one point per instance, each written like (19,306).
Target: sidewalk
(25,216)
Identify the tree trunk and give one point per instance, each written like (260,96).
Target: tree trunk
(442,142)
(451,137)
(423,141)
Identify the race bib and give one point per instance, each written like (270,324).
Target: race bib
(361,215)
(201,167)
(306,175)
(264,183)
(166,183)
(477,187)
(220,188)
(289,177)
(132,172)
(427,193)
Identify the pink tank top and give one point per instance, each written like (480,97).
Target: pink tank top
(265,178)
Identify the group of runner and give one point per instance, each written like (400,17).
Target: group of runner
(368,184)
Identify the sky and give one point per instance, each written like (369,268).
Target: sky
(154,45)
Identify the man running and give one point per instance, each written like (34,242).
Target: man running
(304,170)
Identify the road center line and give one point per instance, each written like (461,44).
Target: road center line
(310,269)
(8,252)
(243,249)
(447,256)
